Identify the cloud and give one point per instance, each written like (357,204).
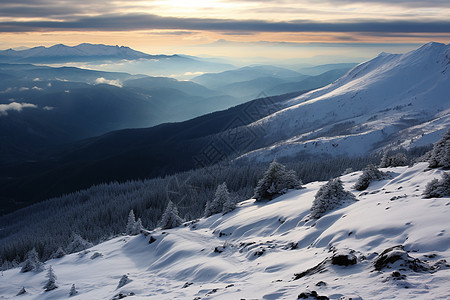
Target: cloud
(102,80)
(311,3)
(223,42)
(14,106)
(120,22)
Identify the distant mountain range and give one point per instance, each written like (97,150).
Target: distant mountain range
(82,52)
(44,107)
(388,102)
(263,80)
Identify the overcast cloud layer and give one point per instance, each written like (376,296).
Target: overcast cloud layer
(300,16)
(146,21)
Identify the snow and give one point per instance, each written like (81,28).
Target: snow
(365,109)
(250,253)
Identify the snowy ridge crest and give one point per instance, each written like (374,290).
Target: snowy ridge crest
(389,98)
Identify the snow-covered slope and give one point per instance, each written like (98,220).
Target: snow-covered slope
(255,251)
(392,97)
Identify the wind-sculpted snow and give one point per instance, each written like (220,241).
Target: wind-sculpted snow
(365,109)
(390,243)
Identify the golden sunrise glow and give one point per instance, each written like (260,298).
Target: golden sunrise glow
(241,26)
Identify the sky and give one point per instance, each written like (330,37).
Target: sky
(268,29)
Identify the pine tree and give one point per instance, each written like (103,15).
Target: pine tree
(370,173)
(73,290)
(216,205)
(170,218)
(328,197)
(137,226)
(78,244)
(275,182)
(59,253)
(229,205)
(397,160)
(440,154)
(131,223)
(438,188)
(32,262)
(51,282)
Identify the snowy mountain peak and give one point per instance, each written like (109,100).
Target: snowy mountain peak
(389,98)
(62,52)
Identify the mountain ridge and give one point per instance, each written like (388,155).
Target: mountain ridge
(390,93)
(84,51)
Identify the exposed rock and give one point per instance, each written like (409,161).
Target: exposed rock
(343,259)
(400,258)
(311,295)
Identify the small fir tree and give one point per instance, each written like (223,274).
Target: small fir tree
(59,253)
(78,244)
(229,205)
(73,290)
(32,262)
(215,205)
(328,197)
(275,182)
(130,223)
(396,160)
(438,188)
(137,226)
(51,282)
(370,173)
(440,154)
(170,217)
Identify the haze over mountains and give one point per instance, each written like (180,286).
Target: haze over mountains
(42,106)
(389,102)
(45,106)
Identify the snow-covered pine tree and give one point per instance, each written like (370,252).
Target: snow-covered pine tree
(137,227)
(59,253)
(73,291)
(170,218)
(328,197)
(440,154)
(229,205)
(215,205)
(370,173)
(32,262)
(130,223)
(51,282)
(275,182)
(438,188)
(397,160)
(78,244)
